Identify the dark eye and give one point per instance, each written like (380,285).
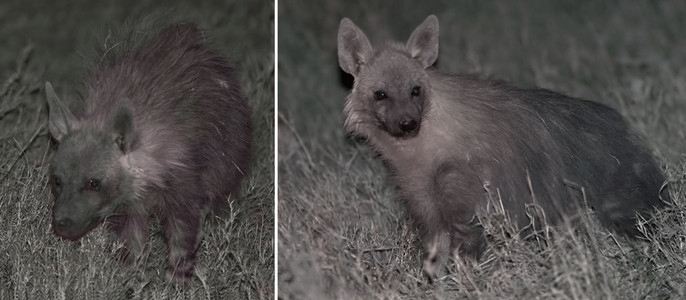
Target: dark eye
(416,91)
(56,181)
(93,185)
(380,95)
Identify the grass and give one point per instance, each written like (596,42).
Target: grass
(344,235)
(43,41)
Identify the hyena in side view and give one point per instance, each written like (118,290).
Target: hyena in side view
(165,132)
(454,142)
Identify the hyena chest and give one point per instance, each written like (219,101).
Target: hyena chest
(434,169)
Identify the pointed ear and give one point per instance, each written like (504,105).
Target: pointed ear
(60,118)
(123,129)
(354,49)
(423,43)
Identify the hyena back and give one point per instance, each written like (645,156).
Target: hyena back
(454,142)
(165,132)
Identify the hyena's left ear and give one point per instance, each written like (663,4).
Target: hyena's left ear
(123,129)
(60,118)
(354,49)
(423,43)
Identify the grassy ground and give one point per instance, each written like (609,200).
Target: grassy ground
(42,41)
(342,233)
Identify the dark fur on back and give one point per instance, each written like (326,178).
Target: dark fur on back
(165,131)
(474,139)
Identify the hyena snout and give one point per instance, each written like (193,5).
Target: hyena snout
(71,228)
(65,228)
(62,224)
(404,127)
(408,125)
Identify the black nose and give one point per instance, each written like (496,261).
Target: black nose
(63,223)
(408,125)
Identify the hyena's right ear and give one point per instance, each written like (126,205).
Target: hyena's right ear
(354,49)
(423,43)
(60,118)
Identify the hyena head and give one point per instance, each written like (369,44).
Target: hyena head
(391,89)
(86,178)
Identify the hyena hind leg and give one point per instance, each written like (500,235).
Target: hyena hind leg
(619,212)
(638,191)
(132,230)
(182,231)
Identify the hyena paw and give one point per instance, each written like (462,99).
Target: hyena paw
(180,274)
(125,256)
(130,257)
(431,267)
(438,250)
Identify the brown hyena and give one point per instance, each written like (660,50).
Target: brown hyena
(453,142)
(164,132)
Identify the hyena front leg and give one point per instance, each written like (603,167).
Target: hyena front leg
(455,230)
(437,254)
(182,230)
(132,229)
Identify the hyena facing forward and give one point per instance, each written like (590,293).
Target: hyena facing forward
(165,132)
(454,142)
